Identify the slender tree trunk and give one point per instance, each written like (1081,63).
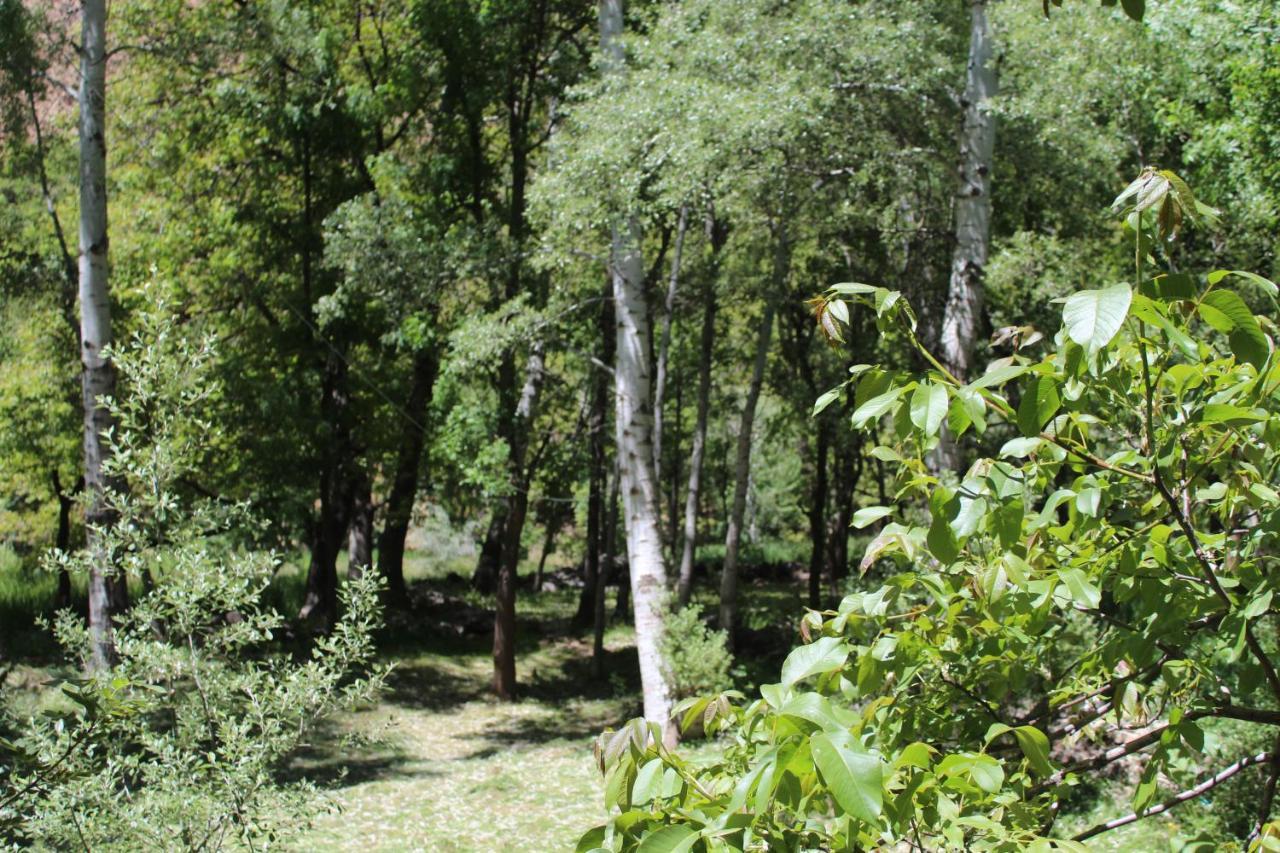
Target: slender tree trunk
(360,532)
(818,517)
(504,622)
(689,549)
(634,429)
(485,576)
(108,592)
(548,545)
(608,568)
(62,599)
(847,474)
(664,345)
(321,600)
(404,487)
(595,572)
(742,462)
(742,475)
(962,317)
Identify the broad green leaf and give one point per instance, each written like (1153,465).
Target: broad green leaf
(1035,746)
(1040,402)
(647,783)
(1222,413)
(1082,590)
(929,407)
(855,778)
(999,375)
(876,406)
(1227,312)
(826,400)
(675,838)
(1093,317)
(869,515)
(1267,285)
(1017,448)
(822,655)
(592,839)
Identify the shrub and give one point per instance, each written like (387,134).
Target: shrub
(180,744)
(696,658)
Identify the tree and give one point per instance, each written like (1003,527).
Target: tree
(633,425)
(108,592)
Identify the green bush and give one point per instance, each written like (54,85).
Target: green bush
(179,745)
(697,658)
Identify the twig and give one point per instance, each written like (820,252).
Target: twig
(1191,793)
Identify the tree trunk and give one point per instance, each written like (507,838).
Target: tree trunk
(596,572)
(62,599)
(321,600)
(664,345)
(485,576)
(634,430)
(108,592)
(504,621)
(962,317)
(848,470)
(404,487)
(689,550)
(607,569)
(742,474)
(818,517)
(360,532)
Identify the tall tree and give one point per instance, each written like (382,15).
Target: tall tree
(107,592)
(962,318)
(634,427)
(746,429)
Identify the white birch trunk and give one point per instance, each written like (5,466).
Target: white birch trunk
(97,377)
(962,317)
(634,430)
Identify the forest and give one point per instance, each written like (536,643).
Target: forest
(674,426)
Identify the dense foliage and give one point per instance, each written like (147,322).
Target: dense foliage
(1096,587)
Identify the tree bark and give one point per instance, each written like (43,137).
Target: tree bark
(608,566)
(321,600)
(742,463)
(818,516)
(742,474)
(962,318)
(684,587)
(664,344)
(108,592)
(504,622)
(634,430)
(596,571)
(360,531)
(404,486)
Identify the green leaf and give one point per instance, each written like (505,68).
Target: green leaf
(826,400)
(999,375)
(1134,8)
(855,778)
(1093,317)
(876,406)
(869,515)
(929,407)
(1081,588)
(1017,448)
(1226,312)
(647,783)
(1222,413)
(675,838)
(1039,404)
(822,655)
(592,839)
(1035,746)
